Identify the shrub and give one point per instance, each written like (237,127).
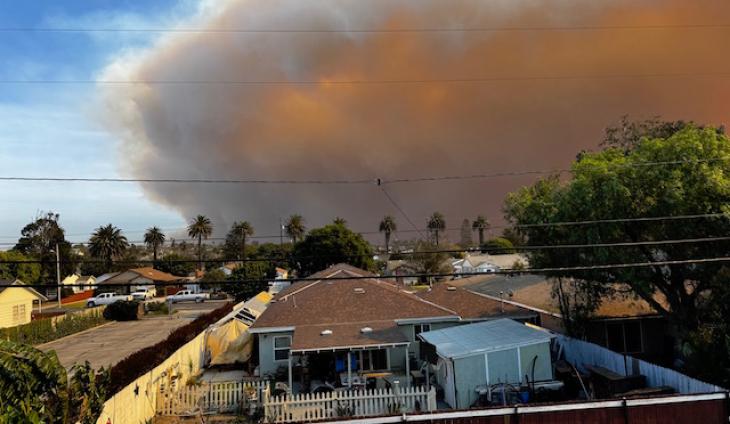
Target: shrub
(144,360)
(43,330)
(498,246)
(157,308)
(122,310)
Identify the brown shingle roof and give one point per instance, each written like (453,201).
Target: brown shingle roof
(470,305)
(146,272)
(310,337)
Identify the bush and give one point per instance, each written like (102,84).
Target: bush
(498,246)
(43,331)
(157,308)
(144,360)
(122,310)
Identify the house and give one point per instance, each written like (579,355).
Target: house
(80,283)
(312,330)
(402,272)
(483,354)
(126,282)
(16,303)
(487,264)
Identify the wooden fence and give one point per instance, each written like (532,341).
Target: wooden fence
(321,406)
(214,397)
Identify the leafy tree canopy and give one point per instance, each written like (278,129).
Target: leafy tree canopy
(38,240)
(29,273)
(168,264)
(498,246)
(329,245)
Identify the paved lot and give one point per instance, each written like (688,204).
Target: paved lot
(493,284)
(110,343)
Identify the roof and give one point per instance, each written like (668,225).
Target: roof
(309,306)
(502,261)
(470,305)
(5,283)
(488,336)
(146,272)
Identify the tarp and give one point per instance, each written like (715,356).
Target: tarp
(230,343)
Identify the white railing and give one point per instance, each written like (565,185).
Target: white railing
(321,406)
(214,397)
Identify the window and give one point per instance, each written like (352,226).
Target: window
(282,345)
(373,360)
(624,337)
(18,313)
(420,328)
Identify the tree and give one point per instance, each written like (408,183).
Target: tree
(39,240)
(200,228)
(465,240)
(154,238)
(255,277)
(429,260)
(387,226)
(295,228)
(236,239)
(329,245)
(28,273)
(616,183)
(176,264)
(480,225)
(340,221)
(498,246)
(107,243)
(436,224)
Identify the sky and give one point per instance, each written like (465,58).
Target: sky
(530,117)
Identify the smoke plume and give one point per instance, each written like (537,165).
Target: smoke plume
(331,131)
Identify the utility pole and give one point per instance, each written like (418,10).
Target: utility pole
(58,276)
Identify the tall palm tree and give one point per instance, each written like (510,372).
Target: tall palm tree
(200,228)
(295,228)
(154,238)
(387,226)
(480,225)
(436,224)
(242,230)
(107,243)
(340,221)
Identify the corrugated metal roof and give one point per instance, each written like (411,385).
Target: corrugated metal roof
(489,336)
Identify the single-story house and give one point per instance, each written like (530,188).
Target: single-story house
(333,330)
(16,303)
(401,272)
(81,282)
(134,278)
(474,356)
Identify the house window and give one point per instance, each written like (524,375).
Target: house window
(420,328)
(282,345)
(624,337)
(373,360)
(18,313)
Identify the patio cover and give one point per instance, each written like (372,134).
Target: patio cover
(309,338)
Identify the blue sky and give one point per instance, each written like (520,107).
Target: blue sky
(50,130)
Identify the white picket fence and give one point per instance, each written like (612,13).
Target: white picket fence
(320,406)
(211,398)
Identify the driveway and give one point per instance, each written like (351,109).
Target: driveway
(110,343)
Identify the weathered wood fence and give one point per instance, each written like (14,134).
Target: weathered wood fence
(211,398)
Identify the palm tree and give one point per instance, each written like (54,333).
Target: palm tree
(340,221)
(295,228)
(200,228)
(107,243)
(480,224)
(387,226)
(436,224)
(154,238)
(242,230)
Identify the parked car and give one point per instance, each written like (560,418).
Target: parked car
(188,296)
(144,293)
(106,299)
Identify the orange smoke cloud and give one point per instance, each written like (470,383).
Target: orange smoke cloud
(339,131)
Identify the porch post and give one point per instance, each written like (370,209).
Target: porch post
(349,369)
(408,368)
(291,388)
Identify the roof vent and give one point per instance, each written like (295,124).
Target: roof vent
(325,333)
(451,288)
(359,290)
(366,330)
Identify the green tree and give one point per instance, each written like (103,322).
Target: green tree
(249,279)
(465,239)
(106,244)
(235,244)
(295,228)
(200,228)
(387,226)
(617,183)
(329,245)
(340,221)
(39,240)
(498,246)
(28,273)
(176,264)
(480,225)
(436,224)
(154,238)
(429,260)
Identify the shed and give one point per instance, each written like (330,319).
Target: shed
(487,353)
(16,302)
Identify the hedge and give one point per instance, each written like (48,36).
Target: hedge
(144,360)
(43,331)
(122,310)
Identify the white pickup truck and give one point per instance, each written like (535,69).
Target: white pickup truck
(188,296)
(144,293)
(106,299)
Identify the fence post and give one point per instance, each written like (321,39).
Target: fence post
(625,409)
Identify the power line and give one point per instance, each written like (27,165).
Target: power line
(418,275)
(182,180)
(402,212)
(413,253)
(362,30)
(416,81)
